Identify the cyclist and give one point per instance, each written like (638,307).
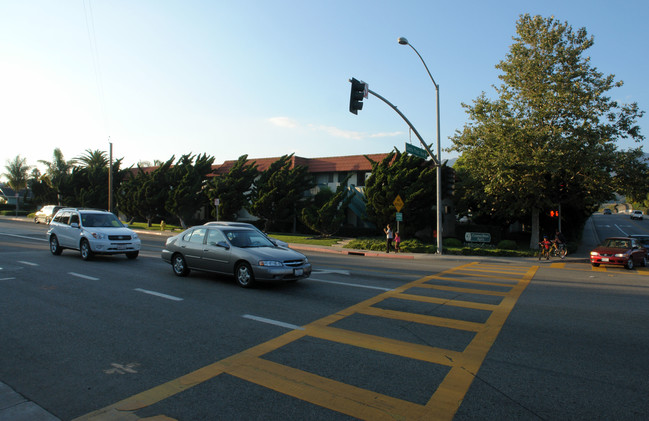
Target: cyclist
(545,248)
(560,242)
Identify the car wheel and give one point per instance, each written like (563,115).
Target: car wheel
(55,247)
(244,276)
(36,220)
(629,263)
(179,265)
(132,254)
(86,251)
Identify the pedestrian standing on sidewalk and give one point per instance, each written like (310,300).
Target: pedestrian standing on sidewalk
(397,242)
(389,236)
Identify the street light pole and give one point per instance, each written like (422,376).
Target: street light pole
(404,41)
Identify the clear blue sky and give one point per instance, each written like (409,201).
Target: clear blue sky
(268,78)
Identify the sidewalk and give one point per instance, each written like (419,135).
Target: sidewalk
(15,407)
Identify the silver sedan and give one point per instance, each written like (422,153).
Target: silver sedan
(245,253)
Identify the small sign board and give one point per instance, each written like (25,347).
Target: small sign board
(416,151)
(398,203)
(477,237)
(399,217)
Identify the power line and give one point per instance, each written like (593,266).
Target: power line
(94,53)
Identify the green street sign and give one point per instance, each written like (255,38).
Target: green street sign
(399,217)
(416,151)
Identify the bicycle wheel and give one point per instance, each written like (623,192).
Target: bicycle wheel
(563,252)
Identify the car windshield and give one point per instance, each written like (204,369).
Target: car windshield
(100,220)
(617,243)
(247,238)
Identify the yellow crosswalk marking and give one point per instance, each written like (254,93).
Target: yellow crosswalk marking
(509,281)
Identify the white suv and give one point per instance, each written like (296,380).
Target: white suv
(91,232)
(637,215)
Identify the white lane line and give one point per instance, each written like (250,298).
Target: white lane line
(78,275)
(159,294)
(350,285)
(23,236)
(621,230)
(28,263)
(6,279)
(272,322)
(334,271)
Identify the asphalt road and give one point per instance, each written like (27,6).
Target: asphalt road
(363,338)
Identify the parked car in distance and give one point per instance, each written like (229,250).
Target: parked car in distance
(275,241)
(607,211)
(46,213)
(91,231)
(242,252)
(621,251)
(637,214)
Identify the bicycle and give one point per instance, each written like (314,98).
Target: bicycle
(558,250)
(544,252)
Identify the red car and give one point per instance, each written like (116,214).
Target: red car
(622,251)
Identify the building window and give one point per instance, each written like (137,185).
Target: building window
(360,178)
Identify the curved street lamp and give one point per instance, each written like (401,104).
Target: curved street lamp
(404,41)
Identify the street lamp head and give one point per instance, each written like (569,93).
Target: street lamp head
(403,41)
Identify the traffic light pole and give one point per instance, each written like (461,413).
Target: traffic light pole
(430,153)
(435,160)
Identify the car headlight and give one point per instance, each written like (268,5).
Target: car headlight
(594,253)
(620,255)
(270,263)
(134,236)
(98,235)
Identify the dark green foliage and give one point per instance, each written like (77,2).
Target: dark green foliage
(187,180)
(549,138)
(277,195)
(232,189)
(328,211)
(410,177)
(507,245)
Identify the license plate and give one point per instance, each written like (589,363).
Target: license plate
(121,247)
(298,272)
(604,259)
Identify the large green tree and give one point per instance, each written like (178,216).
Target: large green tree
(56,173)
(277,194)
(187,180)
(406,176)
(17,174)
(328,210)
(233,189)
(549,138)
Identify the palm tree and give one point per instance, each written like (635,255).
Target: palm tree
(17,175)
(57,171)
(93,159)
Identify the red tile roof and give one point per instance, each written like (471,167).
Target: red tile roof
(316,165)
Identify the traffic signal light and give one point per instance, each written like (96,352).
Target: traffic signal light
(356,96)
(554,214)
(448,182)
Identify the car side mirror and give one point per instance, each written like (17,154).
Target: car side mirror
(223,244)
(74,225)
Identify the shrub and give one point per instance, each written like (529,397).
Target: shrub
(507,245)
(451,242)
